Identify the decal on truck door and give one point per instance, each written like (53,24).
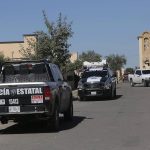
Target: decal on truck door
(36,99)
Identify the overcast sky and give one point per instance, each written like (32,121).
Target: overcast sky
(105,26)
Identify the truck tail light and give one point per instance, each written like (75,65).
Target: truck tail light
(47,93)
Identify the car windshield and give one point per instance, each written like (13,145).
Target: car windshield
(100,73)
(146,71)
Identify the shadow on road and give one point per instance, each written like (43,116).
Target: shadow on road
(90,99)
(118,97)
(140,86)
(40,126)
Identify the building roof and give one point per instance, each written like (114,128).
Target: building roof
(7,42)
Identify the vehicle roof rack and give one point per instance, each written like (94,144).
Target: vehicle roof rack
(95,65)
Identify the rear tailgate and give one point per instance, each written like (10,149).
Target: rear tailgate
(21,98)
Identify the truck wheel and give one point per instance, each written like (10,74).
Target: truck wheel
(145,84)
(112,94)
(115,93)
(131,83)
(55,119)
(68,115)
(4,120)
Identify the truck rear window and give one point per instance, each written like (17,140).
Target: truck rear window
(28,72)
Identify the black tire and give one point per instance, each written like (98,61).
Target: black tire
(55,119)
(4,120)
(68,115)
(115,93)
(145,84)
(112,94)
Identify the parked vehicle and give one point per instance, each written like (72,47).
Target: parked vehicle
(97,82)
(34,89)
(140,77)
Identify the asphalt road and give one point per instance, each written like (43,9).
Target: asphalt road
(120,124)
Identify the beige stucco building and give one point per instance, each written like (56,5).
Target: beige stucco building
(74,57)
(144,50)
(11,49)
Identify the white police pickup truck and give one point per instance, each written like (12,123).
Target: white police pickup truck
(34,89)
(140,77)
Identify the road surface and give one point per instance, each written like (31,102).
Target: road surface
(120,124)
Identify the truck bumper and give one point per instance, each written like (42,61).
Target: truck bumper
(93,92)
(24,112)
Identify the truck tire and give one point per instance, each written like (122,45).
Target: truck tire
(145,84)
(115,93)
(131,83)
(112,94)
(68,115)
(54,121)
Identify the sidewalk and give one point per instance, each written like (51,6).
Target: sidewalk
(75,94)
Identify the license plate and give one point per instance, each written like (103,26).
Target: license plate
(93,93)
(13,109)
(36,99)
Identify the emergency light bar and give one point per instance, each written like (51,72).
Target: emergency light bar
(94,64)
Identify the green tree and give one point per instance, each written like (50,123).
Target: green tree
(30,52)
(3,58)
(116,62)
(90,56)
(129,70)
(59,34)
(52,44)
(74,66)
